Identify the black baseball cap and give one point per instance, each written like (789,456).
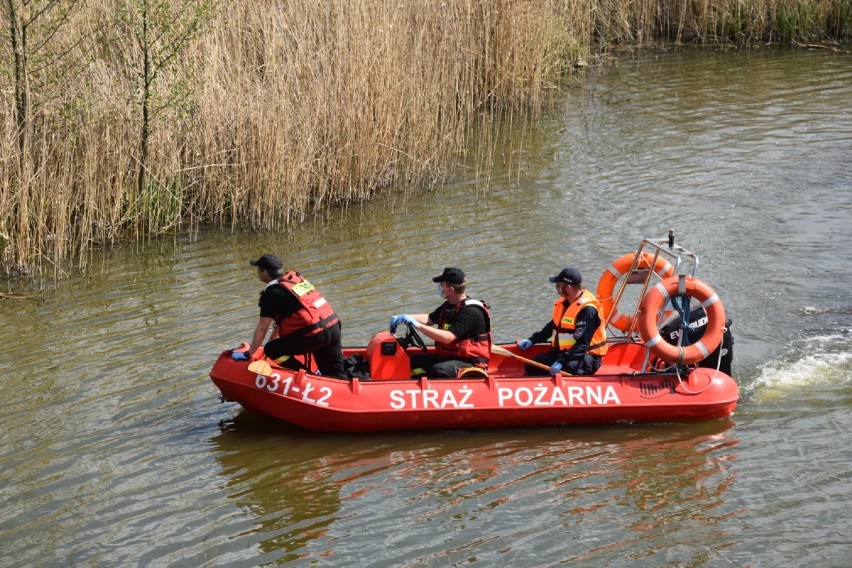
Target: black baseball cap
(267,262)
(450,276)
(569,276)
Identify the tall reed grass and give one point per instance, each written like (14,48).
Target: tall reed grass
(281,108)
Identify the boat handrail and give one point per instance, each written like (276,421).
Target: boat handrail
(675,254)
(673,251)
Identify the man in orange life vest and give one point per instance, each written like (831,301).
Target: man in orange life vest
(460,328)
(576,331)
(306,322)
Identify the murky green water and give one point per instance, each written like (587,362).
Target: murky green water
(115,450)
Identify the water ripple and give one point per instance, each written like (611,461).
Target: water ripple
(115,451)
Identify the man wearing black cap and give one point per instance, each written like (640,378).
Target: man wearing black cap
(305,321)
(576,331)
(460,328)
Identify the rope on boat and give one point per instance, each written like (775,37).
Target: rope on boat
(709,384)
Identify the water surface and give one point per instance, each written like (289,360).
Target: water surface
(116,451)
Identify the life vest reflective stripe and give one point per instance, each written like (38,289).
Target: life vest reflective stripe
(316,314)
(565,323)
(657,297)
(477,348)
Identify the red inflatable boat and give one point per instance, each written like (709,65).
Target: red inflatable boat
(651,373)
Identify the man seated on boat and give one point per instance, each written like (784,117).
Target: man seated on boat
(306,322)
(576,331)
(460,328)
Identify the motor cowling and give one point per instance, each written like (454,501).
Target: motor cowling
(672,331)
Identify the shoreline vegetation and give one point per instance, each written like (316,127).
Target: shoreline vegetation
(130,119)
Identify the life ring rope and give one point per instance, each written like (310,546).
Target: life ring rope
(653,303)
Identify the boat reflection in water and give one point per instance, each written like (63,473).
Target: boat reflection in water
(304,494)
(283,481)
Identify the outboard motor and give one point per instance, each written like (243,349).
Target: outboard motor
(695,329)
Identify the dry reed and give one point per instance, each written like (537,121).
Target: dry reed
(281,108)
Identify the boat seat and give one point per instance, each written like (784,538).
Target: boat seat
(623,358)
(387,359)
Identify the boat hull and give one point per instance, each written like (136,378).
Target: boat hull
(506,398)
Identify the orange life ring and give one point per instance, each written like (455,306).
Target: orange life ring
(616,270)
(656,298)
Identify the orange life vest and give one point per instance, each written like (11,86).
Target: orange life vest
(565,322)
(477,348)
(316,314)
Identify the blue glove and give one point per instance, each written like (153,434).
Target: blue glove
(395,321)
(240,356)
(524,344)
(410,321)
(555,368)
